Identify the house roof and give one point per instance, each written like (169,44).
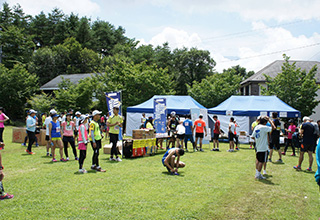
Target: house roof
(274,68)
(74,78)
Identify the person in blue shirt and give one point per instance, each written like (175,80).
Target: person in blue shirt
(188,124)
(171,160)
(31,129)
(317,175)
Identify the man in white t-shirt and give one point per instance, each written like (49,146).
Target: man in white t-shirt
(260,134)
(232,129)
(46,125)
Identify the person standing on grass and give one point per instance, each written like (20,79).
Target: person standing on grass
(68,128)
(315,134)
(76,122)
(26,137)
(307,133)
(82,142)
(3,195)
(115,123)
(31,129)
(232,129)
(171,160)
(172,129)
(43,119)
(260,134)
(181,131)
(236,136)
(46,125)
(55,138)
(95,140)
(189,132)
(291,129)
(275,138)
(216,133)
(317,174)
(3,118)
(200,126)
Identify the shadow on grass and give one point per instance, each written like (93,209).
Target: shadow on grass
(26,154)
(277,163)
(308,172)
(268,182)
(88,172)
(169,174)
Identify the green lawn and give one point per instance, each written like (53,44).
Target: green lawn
(213,185)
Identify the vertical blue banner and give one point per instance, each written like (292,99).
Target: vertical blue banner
(160,116)
(114,100)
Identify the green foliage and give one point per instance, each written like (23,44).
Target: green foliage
(294,86)
(214,89)
(241,71)
(41,102)
(138,83)
(17,85)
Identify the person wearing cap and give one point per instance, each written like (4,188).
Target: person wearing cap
(307,133)
(55,134)
(95,140)
(46,126)
(3,118)
(200,126)
(172,129)
(115,123)
(68,127)
(31,129)
(82,142)
(291,129)
(76,121)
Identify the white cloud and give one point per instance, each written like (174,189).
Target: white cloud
(81,7)
(253,51)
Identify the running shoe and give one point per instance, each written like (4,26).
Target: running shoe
(99,169)
(309,169)
(67,159)
(237,148)
(48,155)
(213,149)
(112,159)
(93,167)
(264,172)
(31,152)
(194,150)
(118,159)
(63,160)
(217,149)
(76,158)
(37,145)
(279,161)
(283,153)
(54,160)
(27,151)
(6,196)
(186,150)
(201,150)
(175,173)
(23,144)
(83,171)
(297,167)
(293,155)
(269,160)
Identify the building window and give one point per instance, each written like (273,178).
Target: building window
(247,90)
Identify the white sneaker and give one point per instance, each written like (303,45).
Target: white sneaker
(118,159)
(82,171)
(67,159)
(264,172)
(112,159)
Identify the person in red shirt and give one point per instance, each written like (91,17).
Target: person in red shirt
(216,133)
(200,126)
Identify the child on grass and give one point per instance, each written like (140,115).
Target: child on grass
(82,141)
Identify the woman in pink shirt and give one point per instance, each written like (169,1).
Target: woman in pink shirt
(3,118)
(68,127)
(290,131)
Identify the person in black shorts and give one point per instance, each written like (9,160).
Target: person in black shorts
(275,138)
(172,127)
(307,133)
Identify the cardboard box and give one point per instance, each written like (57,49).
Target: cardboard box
(18,135)
(139,134)
(107,148)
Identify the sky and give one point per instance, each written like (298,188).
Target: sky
(249,33)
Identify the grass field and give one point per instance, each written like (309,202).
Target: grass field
(213,185)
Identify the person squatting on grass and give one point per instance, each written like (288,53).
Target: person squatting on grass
(3,118)
(115,123)
(260,134)
(95,140)
(68,128)
(3,195)
(55,138)
(82,142)
(171,160)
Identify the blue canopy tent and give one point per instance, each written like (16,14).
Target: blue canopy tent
(245,109)
(254,106)
(180,104)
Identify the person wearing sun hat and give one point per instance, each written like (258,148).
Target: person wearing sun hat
(55,137)
(31,129)
(95,140)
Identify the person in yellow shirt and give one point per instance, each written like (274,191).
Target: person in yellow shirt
(95,140)
(114,123)
(149,124)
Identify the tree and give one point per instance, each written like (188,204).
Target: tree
(294,86)
(84,34)
(241,71)
(191,66)
(41,102)
(17,85)
(214,89)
